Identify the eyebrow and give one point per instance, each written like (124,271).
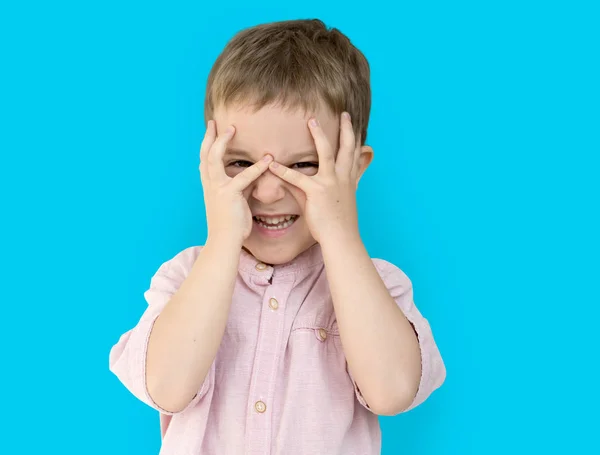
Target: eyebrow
(239,153)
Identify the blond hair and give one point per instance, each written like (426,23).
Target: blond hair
(297,63)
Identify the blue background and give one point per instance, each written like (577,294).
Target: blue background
(484,190)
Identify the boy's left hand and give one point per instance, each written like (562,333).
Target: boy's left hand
(330,208)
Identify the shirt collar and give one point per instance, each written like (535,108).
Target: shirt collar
(306,260)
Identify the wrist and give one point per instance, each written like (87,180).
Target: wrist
(224,242)
(340,238)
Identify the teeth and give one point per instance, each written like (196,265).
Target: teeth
(275,223)
(274,220)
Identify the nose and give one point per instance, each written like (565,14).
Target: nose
(268,189)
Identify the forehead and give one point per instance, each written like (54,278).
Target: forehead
(274,129)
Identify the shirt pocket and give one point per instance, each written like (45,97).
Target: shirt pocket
(316,362)
(317,316)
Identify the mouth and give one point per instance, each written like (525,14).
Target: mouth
(275,223)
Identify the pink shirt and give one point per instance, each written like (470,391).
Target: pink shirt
(279,383)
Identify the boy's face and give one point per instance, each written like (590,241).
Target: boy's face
(285,135)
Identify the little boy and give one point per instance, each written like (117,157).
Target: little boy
(280,335)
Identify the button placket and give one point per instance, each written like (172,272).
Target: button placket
(268,352)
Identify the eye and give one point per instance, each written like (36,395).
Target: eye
(306,164)
(240,163)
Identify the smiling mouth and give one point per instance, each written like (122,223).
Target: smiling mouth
(275,223)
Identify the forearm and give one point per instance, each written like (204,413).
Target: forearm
(379,342)
(187,334)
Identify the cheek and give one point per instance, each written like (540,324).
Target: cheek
(232,171)
(310,171)
(299,196)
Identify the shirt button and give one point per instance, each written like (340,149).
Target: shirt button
(322,334)
(274,304)
(260,407)
(260,266)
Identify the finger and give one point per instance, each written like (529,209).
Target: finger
(345,157)
(216,168)
(209,138)
(324,149)
(291,176)
(356,159)
(241,181)
(207,142)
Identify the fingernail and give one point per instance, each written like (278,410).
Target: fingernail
(346,115)
(267,158)
(274,165)
(314,122)
(229,129)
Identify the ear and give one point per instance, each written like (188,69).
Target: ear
(364,159)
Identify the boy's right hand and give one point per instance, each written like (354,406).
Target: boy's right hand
(227,212)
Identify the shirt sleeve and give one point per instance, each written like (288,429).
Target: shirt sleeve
(433,370)
(127,359)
